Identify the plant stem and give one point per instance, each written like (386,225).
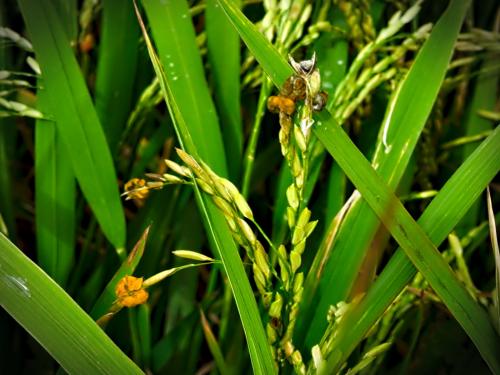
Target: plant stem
(252,143)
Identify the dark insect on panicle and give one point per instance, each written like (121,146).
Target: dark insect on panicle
(319,101)
(294,88)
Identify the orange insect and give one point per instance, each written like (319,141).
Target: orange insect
(87,43)
(282,104)
(295,88)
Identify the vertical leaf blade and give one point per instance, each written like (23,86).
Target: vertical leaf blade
(55,194)
(195,142)
(223,45)
(174,37)
(55,188)
(76,118)
(116,67)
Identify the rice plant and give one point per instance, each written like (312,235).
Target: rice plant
(268,187)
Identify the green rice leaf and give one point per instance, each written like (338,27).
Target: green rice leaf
(55,196)
(483,98)
(185,99)
(54,319)
(496,255)
(405,118)
(70,103)
(412,239)
(55,188)
(127,268)
(439,219)
(116,67)
(223,45)
(214,346)
(388,208)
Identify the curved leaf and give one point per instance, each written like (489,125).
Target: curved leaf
(54,319)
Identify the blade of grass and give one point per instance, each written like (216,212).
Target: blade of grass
(143,321)
(267,55)
(71,104)
(224,247)
(213,345)
(403,228)
(223,45)
(55,196)
(68,13)
(165,348)
(183,288)
(55,189)
(333,53)
(336,186)
(108,296)
(54,319)
(332,62)
(405,119)
(186,78)
(483,98)
(116,66)
(496,255)
(324,250)
(134,336)
(439,219)
(181,109)
(413,240)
